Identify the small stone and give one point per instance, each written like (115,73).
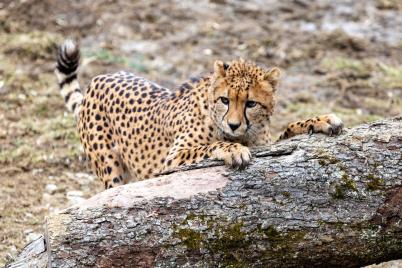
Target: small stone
(207,51)
(32,237)
(51,188)
(81,178)
(75,193)
(47,197)
(37,171)
(75,197)
(3,88)
(11,254)
(13,251)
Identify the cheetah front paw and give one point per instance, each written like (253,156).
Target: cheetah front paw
(329,124)
(235,156)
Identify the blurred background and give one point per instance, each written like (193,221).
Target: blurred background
(340,56)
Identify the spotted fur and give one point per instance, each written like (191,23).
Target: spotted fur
(329,124)
(132,128)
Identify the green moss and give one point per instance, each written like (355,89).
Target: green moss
(280,240)
(326,159)
(230,242)
(272,233)
(283,240)
(242,206)
(190,238)
(339,192)
(322,162)
(342,168)
(339,225)
(349,183)
(191,216)
(286,194)
(332,160)
(228,239)
(346,184)
(374,183)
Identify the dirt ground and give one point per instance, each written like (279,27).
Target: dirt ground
(339,56)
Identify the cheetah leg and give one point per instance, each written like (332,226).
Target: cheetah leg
(234,155)
(328,124)
(104,158)
(108,168)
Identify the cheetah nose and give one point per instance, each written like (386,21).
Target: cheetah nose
(233,127)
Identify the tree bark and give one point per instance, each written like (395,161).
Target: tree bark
(309,201)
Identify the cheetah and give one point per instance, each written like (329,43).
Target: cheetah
(133,129)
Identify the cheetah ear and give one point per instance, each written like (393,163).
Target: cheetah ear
(220,68)
(272,76)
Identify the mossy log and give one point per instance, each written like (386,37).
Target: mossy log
(311,201)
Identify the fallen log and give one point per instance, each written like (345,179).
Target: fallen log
(304,202)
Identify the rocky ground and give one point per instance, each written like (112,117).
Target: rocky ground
(337,56)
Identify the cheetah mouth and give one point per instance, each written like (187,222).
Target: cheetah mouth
(231,136)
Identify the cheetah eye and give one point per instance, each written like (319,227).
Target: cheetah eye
(224,100)
(251,104)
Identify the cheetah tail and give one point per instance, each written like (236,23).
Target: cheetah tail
(68,58)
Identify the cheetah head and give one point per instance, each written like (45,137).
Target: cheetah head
(242,98)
